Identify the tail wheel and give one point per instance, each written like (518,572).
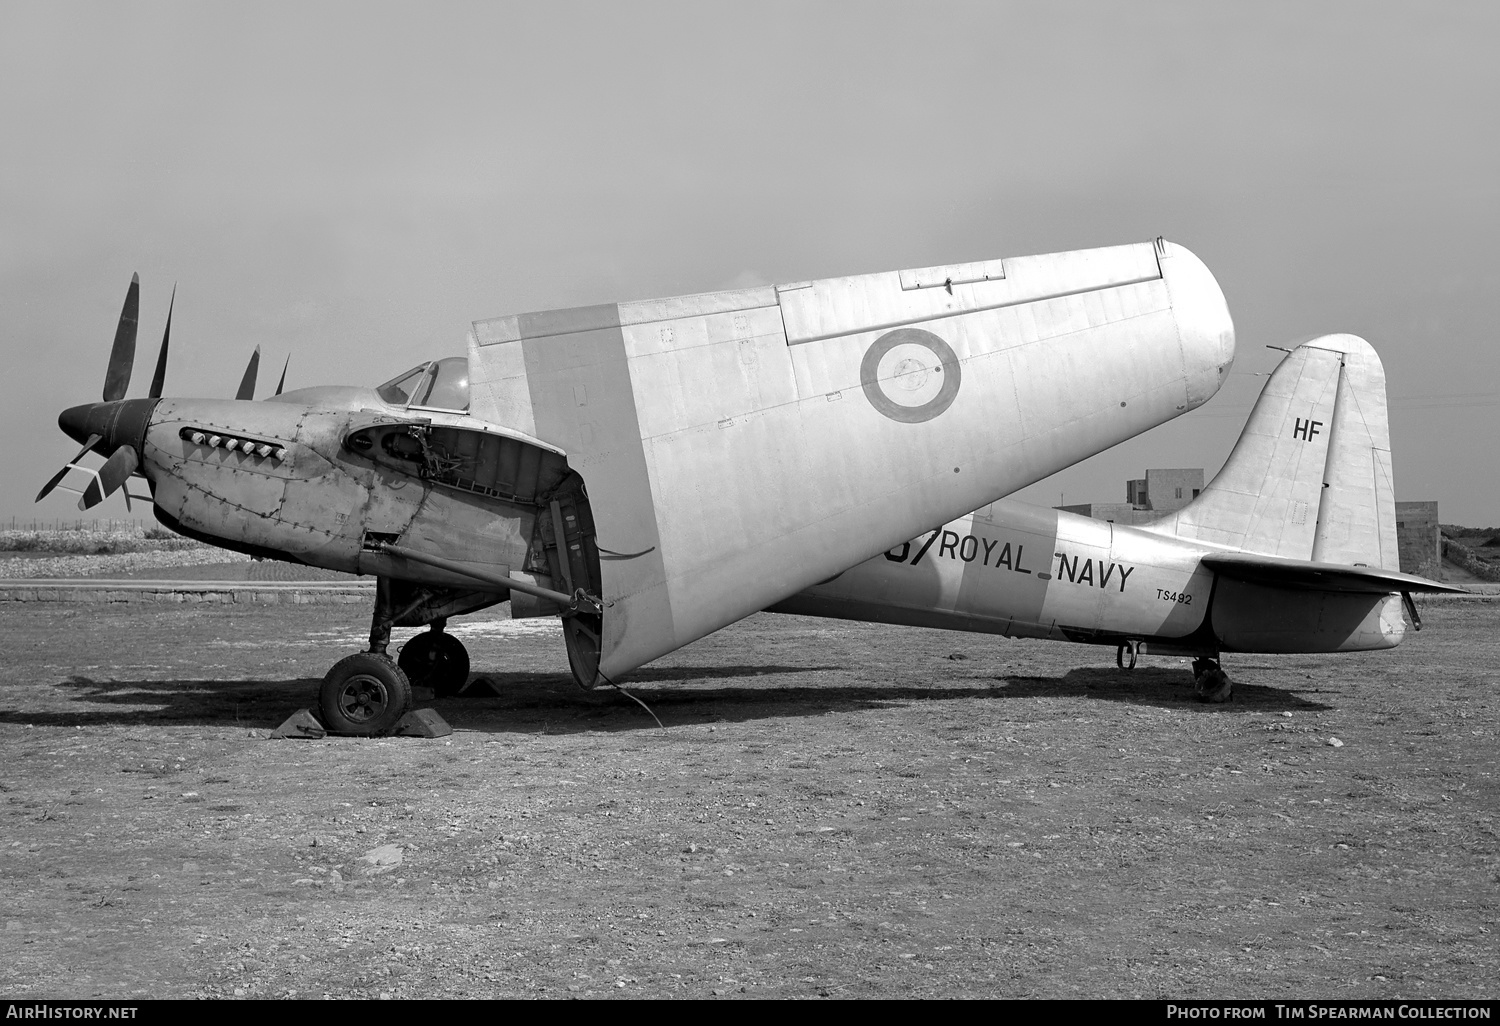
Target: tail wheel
(1214,685)
(437,661)
(364,695)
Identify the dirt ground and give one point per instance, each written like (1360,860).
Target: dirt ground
(832,809)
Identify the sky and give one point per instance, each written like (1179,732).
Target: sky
(350,185)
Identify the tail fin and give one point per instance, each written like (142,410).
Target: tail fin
(1310,477)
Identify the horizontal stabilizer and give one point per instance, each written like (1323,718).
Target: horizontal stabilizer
(1306,573)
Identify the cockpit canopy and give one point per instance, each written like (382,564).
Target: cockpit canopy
(436,385)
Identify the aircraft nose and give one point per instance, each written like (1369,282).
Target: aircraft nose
(1204,324)
(122,422)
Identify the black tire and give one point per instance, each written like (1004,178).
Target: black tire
(364,695)
(1214,686)
(436,661)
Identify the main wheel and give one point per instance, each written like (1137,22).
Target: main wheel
(436,661)
(1214,686)
(364,695)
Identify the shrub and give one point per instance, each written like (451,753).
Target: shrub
(94,542)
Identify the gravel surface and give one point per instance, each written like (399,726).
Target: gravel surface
(832,809)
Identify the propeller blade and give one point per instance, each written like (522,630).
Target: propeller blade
(115,472)
(122,356)
(247,383)
(160,377)
(57,477)
(282,383)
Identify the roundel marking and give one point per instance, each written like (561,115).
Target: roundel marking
(910,375)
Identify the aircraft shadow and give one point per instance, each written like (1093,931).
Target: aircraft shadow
(1164,686)
(533,702)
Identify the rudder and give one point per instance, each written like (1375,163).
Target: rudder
(1357,522)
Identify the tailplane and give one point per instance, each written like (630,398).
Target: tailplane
(1310,477)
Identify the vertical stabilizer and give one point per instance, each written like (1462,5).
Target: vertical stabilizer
(1310,477)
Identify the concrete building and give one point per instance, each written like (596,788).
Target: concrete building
(1419,540)
(1146,498)
(1165,491)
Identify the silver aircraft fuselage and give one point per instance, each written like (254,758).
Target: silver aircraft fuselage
(1025,571)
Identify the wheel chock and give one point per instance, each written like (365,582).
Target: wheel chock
(480,687)
(301,724)
(422,723)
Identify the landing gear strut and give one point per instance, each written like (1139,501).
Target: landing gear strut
(436,660)
(1213,683)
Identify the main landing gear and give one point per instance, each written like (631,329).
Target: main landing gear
(435,660)
(367,694)
(1213,683)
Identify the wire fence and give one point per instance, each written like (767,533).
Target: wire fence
(59,524)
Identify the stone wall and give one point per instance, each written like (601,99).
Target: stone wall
(1114,512)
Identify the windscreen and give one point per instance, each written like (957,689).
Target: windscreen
(450,385)
(398,391)
(440,385)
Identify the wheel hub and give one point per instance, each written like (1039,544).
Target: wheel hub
(363,698)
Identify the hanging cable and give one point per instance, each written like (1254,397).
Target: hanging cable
(628,695)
